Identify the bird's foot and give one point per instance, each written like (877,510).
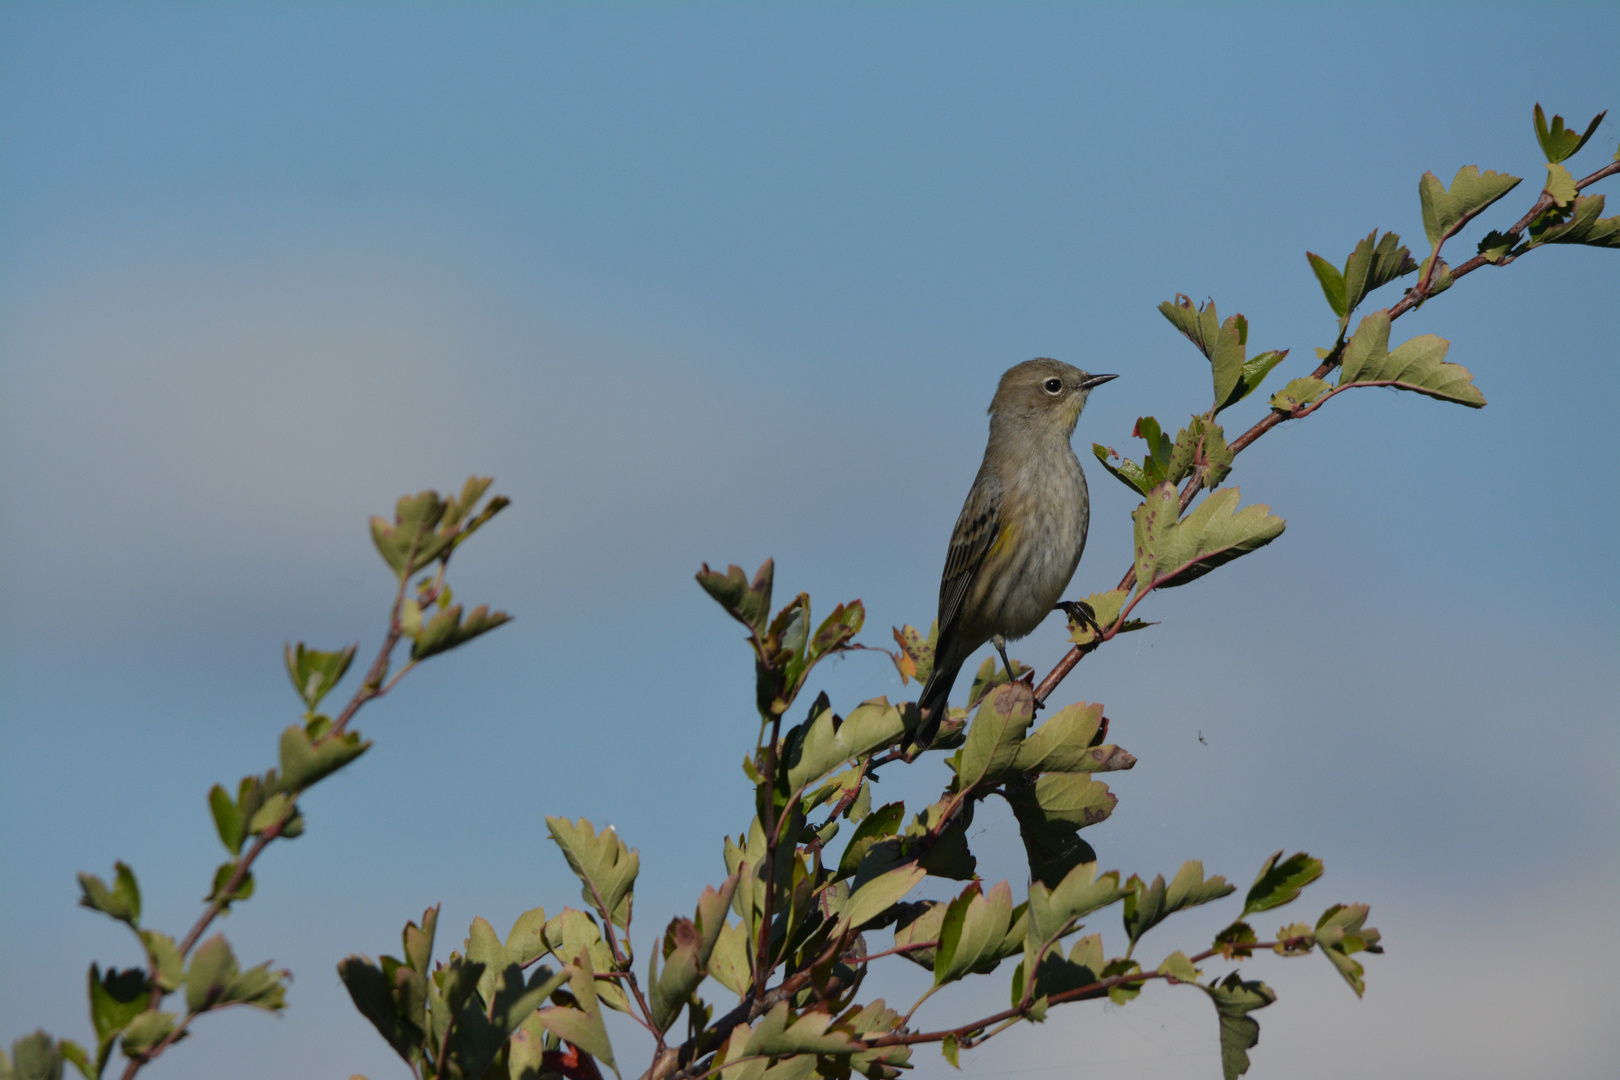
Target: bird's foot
(1001,647)
(1081,612)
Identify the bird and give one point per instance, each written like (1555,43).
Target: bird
(1022,529)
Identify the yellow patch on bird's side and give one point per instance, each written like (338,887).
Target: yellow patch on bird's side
(1003,541)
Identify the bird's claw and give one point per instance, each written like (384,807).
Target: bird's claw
(1081,612)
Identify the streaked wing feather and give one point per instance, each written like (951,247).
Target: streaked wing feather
(976,531)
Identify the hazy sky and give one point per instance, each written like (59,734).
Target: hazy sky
(718,283)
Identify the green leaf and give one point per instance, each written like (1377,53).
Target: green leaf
(993,740)
(581,1026)
(1280,883)
(314,673)
(729,961)
(573,930)
(808,1034)
(875,897)
(227,821)
(121,902)
(1148,905)
(73,1052)
(749,604)
(878,825)
(479,1032)
(1298,394)
(222,878)
(457,508)
(446,631)
(816,747)
(1496,245)
(948,1047)
(1560,185)
(834,633)
(1227,359)
(1055,912)
(1126,472)
(670,989)
(1373,264)
(116,998)
(213,980)
(1222,343)
(1124,992)
(710,917)
(920,922)
(1559,143)
(1177,967)
(1201,442)
(1234,1000)
(603,863)
(1171,552)
(146,1031)
(1254,373)
(417,941)
(578,1027)
(305,761)
(1331,280)
(273,812)
(1158,444)
(1051,812)
(164,956)
(526,942)
(410,542)
(1064,744)
(1418,365)
(974,933)
(1446,211)
(213,966)
(483,946)
(1341,932)
(528,1051)
(1233,942)
(1582,225)
(33,1057)
(1082,967)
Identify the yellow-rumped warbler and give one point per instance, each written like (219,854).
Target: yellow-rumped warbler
(1022,529)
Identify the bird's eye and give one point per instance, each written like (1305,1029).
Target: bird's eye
(1053,386)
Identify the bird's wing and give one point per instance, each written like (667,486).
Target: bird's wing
(977,530)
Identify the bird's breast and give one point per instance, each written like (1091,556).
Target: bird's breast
(1045,509)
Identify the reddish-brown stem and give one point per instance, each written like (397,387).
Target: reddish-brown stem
(622,958)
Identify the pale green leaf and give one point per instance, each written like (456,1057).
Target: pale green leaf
(993,740)
(1418,365)
(1445,211)
(1234,1000)
(1171,552)
(881,893)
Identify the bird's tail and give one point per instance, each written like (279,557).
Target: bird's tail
(933,704)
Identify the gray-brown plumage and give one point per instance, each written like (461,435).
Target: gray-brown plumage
(1022,529)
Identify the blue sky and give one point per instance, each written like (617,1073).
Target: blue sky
(719,283)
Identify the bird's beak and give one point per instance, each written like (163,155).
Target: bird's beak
(1095,380)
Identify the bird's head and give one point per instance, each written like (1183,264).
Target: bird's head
(1043,392)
